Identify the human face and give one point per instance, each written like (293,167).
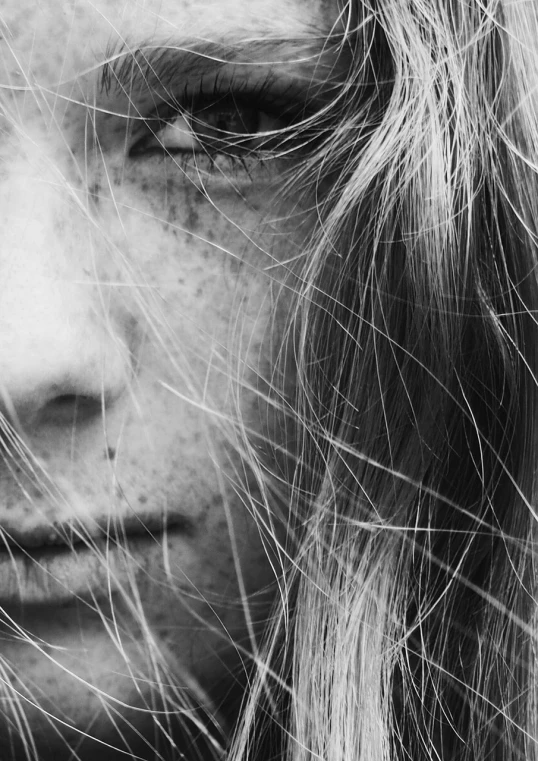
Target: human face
(143,302)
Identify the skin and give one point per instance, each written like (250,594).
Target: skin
(131,291)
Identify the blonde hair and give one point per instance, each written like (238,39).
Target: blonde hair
(408,626)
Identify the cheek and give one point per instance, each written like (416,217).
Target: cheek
(205,289)
(203,276)
(208,293)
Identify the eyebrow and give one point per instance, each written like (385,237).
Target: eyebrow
(150,65)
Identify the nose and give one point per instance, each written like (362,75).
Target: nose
(63,343)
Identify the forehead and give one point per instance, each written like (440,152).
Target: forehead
(47,38)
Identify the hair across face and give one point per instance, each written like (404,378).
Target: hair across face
(146,279)
(267,379)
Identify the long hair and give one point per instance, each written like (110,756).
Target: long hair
(407,627)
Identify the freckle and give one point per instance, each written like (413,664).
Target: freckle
(235,264)
(142,498)
(199,292)
(110,453)
(192,218)
(94,192)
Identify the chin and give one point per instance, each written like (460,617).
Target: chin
(76,689)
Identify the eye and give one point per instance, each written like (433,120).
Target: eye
(220,125)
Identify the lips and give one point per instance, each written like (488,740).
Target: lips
(54,564)
(67,535)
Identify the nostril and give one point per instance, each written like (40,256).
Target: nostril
(71,408)
(65,399)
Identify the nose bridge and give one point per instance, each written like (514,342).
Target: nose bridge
(40,262)
(54,337)
(32,255)
(36,198)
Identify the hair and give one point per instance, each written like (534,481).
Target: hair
(407,628)
(404,625)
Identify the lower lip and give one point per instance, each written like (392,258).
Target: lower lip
(54,575)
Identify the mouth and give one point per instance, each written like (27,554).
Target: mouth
(54,564)
(68,535)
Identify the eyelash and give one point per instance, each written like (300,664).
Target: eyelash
(271,117)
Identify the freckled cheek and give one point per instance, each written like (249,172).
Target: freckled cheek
(177,202)
(204,289)
(208,264)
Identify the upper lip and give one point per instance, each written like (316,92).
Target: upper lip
(67,534)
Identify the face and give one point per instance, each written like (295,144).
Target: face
(144,292)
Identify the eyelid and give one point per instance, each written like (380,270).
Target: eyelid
(268,89)
(264,95)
